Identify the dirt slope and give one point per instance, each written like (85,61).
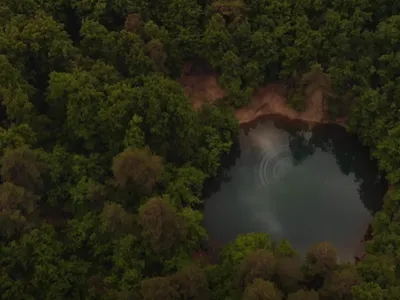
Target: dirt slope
(204,88)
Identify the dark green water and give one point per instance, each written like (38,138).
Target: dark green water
(296,184)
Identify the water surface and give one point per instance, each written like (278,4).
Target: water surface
(303,185)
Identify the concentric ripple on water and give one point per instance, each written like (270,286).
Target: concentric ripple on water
(275,164)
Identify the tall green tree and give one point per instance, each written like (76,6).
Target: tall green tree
(161,226)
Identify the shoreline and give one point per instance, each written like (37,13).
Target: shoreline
(268,101)
(310,122)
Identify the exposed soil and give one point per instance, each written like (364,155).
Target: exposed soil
(204,88)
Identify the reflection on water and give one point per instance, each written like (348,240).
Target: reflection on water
(304,186)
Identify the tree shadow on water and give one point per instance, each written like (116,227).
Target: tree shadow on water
(300,147)
(353,157)
(299,142)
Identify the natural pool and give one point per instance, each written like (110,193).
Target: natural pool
(303,185)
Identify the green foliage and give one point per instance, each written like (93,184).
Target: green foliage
(284,249)
(289,274)
(321,260)
(15,137)
(137,166)
(196,233)
(298,101)
(191,283)
(244,245)
(304,295)
(15,93)
(257,264)
(161,225)
(23,167)
(339,284)
(50,275)
(104,160)
(368,291)
(186,186)
(261,289)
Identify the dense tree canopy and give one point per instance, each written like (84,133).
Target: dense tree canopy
(103,159)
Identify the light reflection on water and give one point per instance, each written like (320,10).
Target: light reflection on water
(305,187)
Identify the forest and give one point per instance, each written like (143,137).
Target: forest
(104,160)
